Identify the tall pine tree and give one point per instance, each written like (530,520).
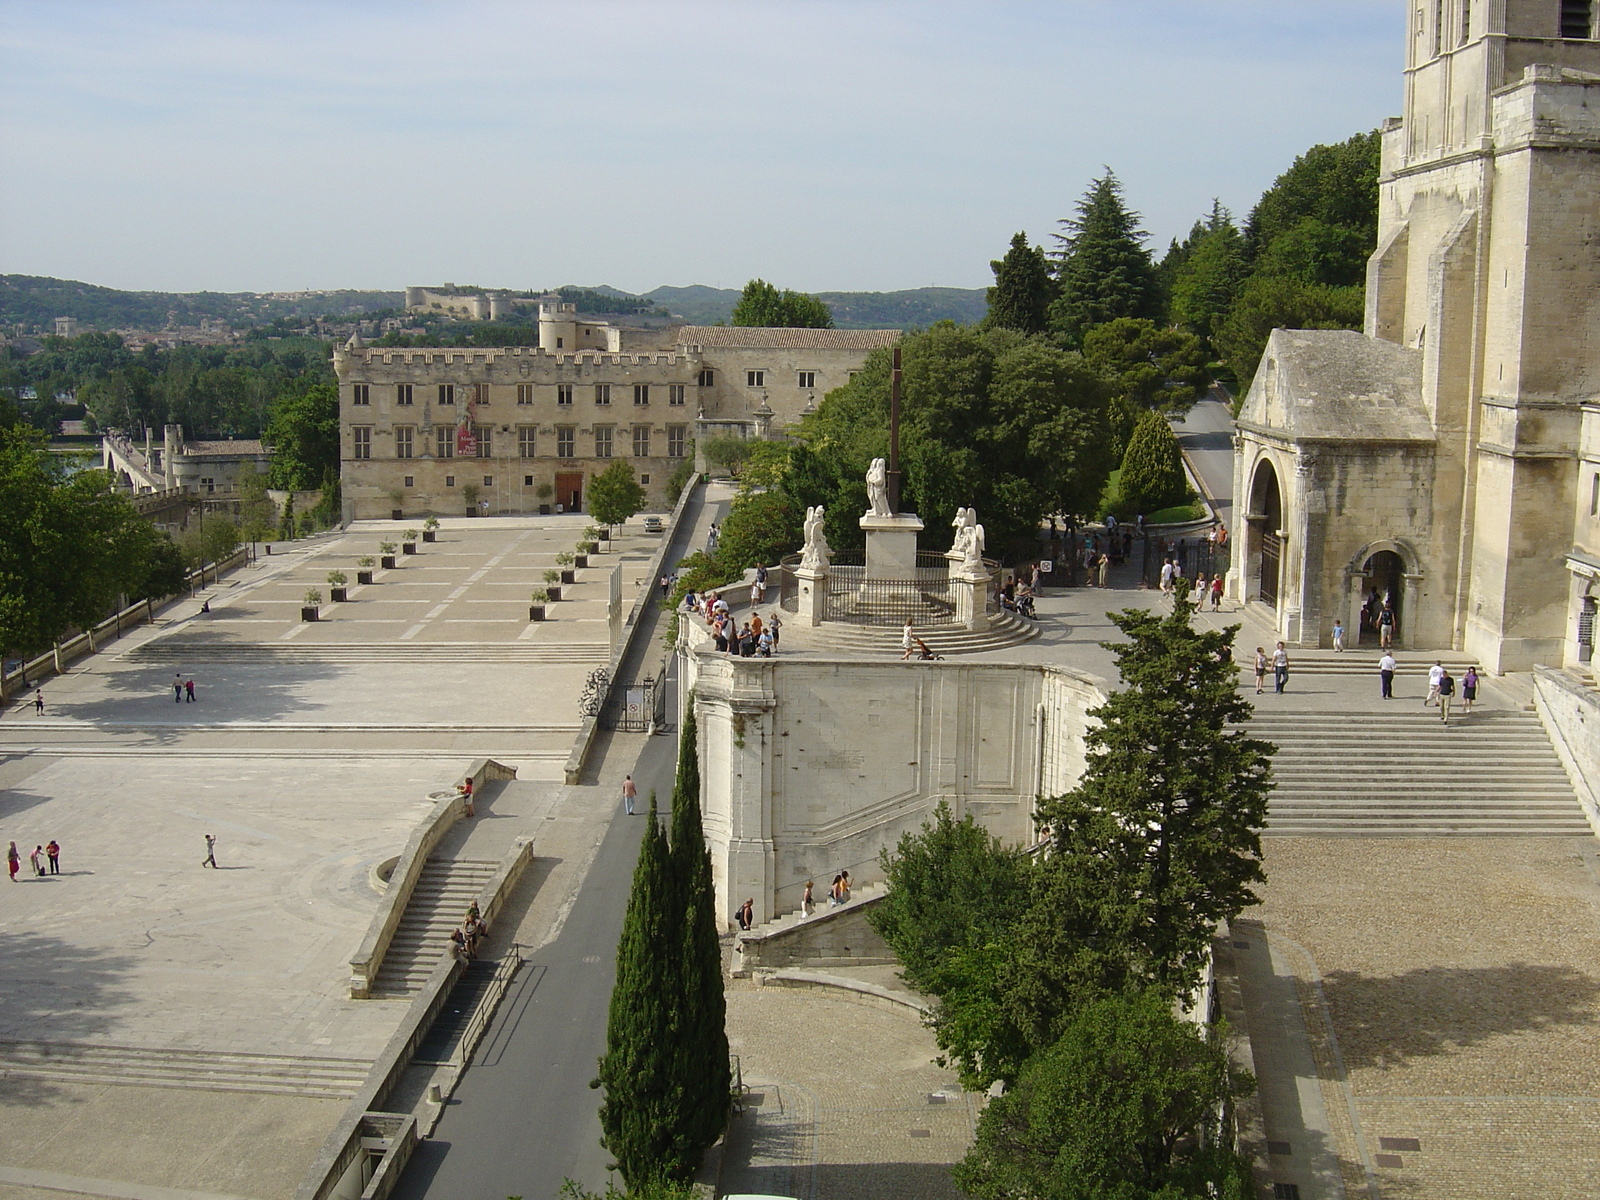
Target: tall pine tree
(1104,269)
(1205,286)
(642,1116)
(1020,297)
(707,1080)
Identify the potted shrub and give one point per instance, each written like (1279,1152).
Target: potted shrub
(581,558)
(365,564)
(398,499)
(564,560)
(430,527)
(336,582)
(552,578)
(469,493)
(313,602)
(537,598)
(387,549)
(544,491)
(410,546)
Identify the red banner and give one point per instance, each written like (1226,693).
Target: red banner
(466,443)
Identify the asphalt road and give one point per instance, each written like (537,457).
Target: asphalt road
(1206,436)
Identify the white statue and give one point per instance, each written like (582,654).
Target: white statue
(958,545)
(814,554)
(878,488)
(968,542)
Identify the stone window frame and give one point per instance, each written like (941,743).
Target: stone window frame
(706,377)
(641,395)
(564,395)
(677,395)
(605,441)
(447,394)
(361,393)
(566,441)
(641,441)
(527,441)
(361,442)
(484,436)
(405,441)
(444,441)
(524,393)
(404,395)
(805,380)
(755,378)
(677,441)
(602,394)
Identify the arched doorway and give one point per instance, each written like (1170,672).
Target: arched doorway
(1385,572)
(1266,513)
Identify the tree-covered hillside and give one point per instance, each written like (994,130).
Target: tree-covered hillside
(36,301)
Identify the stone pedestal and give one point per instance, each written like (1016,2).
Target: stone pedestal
(892,545)
(970,593)
(813,594)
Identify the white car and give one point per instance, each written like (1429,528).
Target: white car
(654,525)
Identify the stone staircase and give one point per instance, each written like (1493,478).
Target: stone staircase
(446,887)
(1402,773)
(218,650)
(1005,629)
(1412,665)
(330,1078)
(756,948)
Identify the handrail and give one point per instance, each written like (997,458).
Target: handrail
(479,1024)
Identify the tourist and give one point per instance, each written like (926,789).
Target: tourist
(758,590)
(1216,594)
(458,945)
(38,702)
(37,859)
(666,586)
(764,644)
(630,792)
(755,625)
(844,887)
(719,634)
(806,906)
(13,861)
(1103,567)
(746,915)
(691,602)
(210,860)
(188,687)
(907,640)
(53,852)
(774,624)
(1338,636)
(747,642)
(1447,689)
(177,688)
(1385,626)
(1261,669)
(1386,669)
(464,790)
(1166,576)
(1469,689)
(1435,674)
(834,892)
(1280,668)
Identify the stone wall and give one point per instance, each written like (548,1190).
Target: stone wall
(1571,714)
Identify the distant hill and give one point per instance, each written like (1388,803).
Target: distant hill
(851,310)
(37,301)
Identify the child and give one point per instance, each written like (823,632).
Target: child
(1338,636)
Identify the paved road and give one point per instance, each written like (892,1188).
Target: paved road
(523,1117)
(1206,436)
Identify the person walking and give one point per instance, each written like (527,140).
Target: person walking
(1386,627)
(806,905)
(188,688)
(1435,674)
(1338,637)
(1261,669)
(13,861)
(774,623)
(630,792)
(1280,668)
(210,860)
(1166,577)
(908,641)
(1386,668)
(1447,689)
(177,688)
(833,892)
(53,852)
(1216,594)
(1469,690)
(844,887)
(38,702)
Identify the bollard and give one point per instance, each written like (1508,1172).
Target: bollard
(435,1096)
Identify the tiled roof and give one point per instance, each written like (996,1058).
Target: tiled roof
(751,337)
(222,449)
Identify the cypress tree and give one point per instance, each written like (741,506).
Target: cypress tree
(707,1081)
(642,1114)
(1152,467)
(1020,297)
(1105,271)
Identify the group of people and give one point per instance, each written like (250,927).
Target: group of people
(756,638)
(1279,662)
(1441,686)
(50,854)
(182,689)
(467,936)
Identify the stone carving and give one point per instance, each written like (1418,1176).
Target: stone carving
(814,554)
(968,543)
(878,488)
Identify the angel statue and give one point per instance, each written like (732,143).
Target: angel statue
(814,553)
(969,540)
(958,545)
(878,488)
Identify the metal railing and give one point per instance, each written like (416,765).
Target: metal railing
(487,1003)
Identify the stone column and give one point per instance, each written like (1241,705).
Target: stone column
(892,545)
(813,594)
(970,593)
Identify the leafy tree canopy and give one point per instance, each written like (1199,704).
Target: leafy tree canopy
(1104,269)
(1023,288)
(1152,468)
(1205,284)
(1148,367)
(614,494)
(303,432)
(1268,302)
(1329,188)
(763,304)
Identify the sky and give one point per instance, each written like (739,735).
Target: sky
(851,145)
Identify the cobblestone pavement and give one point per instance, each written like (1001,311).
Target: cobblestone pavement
(1450,992)
(846,1100)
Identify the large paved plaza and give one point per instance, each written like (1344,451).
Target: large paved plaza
(309,752)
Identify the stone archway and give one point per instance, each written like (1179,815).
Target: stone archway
(1263,561)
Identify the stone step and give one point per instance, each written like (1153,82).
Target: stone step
(333,1078)
(1005,630)
(438,903)
(195,650)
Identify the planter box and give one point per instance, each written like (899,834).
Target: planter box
(568,575)
(555,593)
(544,510)
(363,576)
(308,612)
(428,534)
(535,612)
(338,594)
(580,560)
(387,562)
(408,548)
(472,510)
(396,514)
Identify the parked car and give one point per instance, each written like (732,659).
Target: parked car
(654,525)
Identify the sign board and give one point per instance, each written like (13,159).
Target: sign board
(466,442)
(635,705)
(1046,566)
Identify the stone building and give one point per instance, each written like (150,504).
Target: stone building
(1445,459)
(210,470)
(520,428)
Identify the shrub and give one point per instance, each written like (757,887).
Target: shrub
(1152,469)
(313,598)
(337,578)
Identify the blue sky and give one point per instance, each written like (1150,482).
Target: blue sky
(821,144)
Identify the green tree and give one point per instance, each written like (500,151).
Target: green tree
(614,494)
(1122,1107)
(1164,826)
(1204,287)
(166,573)
(1152,467)
(1104,269)
(1147,368)
(303,432)
(1023,288)
(642,1117)
(707,1082)
(762,304)
(257,515)
(1268,302)
(727,452)
(1329,188)
(761,527)
(286,520)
